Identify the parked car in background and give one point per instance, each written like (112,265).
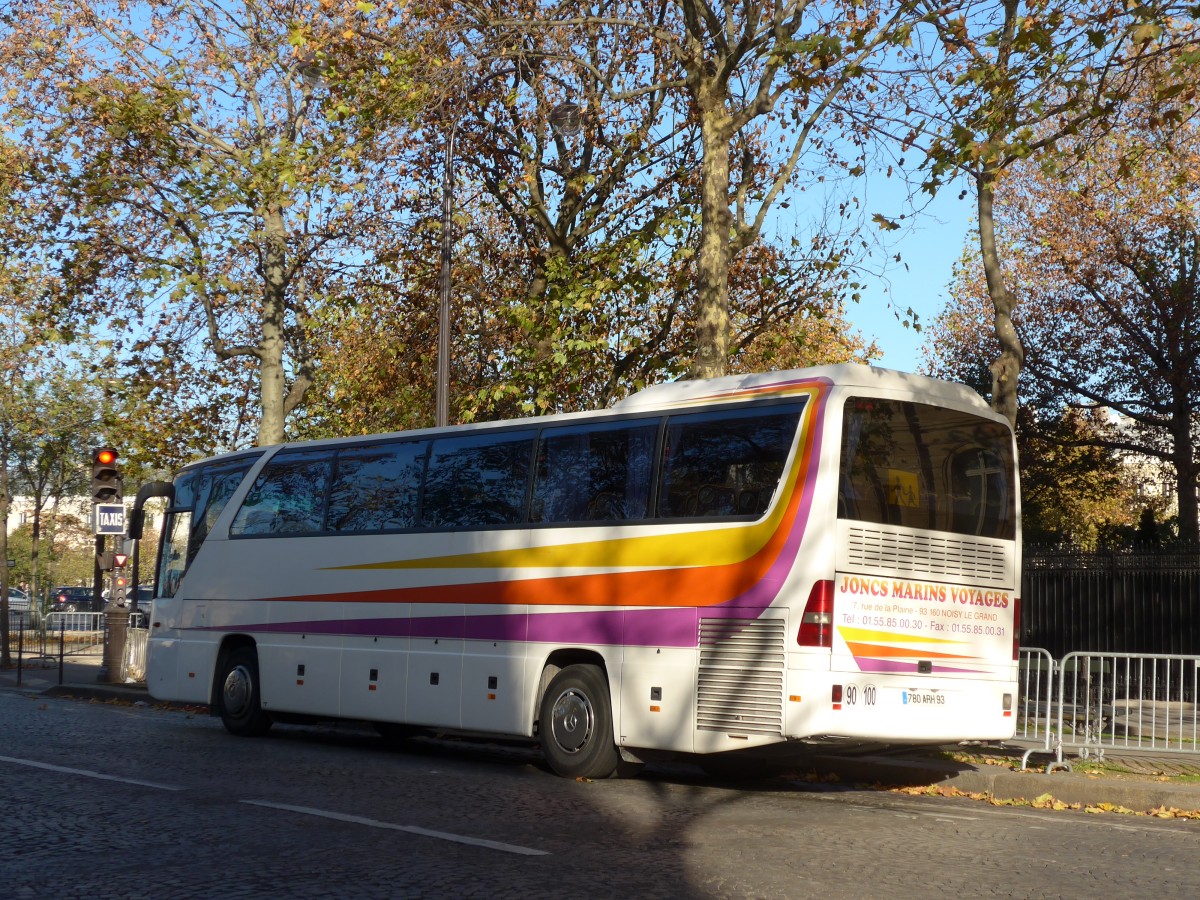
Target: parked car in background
(18,600)
(74,599)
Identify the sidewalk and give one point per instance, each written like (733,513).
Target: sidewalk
(80,677)
(1150,781)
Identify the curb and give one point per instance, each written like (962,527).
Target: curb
(104,693)
(99,692)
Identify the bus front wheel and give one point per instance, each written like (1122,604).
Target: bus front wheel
(575,724)
(241,706)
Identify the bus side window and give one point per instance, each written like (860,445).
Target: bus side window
(215,487)
(594,473)
(477,479)
(288,497)
(174,552)
(177,530)
(726,463)
(377,486)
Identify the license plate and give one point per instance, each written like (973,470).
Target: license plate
(923,698)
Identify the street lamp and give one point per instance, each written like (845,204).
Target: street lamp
(565,119)
(442,414)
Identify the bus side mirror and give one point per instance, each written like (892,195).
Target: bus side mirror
(137,521)
(137,517)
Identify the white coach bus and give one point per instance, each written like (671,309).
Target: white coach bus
(822,555)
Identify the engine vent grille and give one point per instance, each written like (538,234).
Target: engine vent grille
(740,687)
(923,556)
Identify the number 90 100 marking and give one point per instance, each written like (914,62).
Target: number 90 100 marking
(869,695)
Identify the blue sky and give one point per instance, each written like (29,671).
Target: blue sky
(930,250)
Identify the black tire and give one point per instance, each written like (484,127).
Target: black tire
(238,694)
(575,724)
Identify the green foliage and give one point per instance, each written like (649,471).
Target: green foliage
(65,556)
(1074,491)
(219,157)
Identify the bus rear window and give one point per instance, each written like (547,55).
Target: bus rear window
(922,466)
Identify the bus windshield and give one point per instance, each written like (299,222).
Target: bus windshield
(201,494)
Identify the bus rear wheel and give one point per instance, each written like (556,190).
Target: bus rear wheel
(575,724)
(241,705)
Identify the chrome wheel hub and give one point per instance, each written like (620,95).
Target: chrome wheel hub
(235,694)
(573,721)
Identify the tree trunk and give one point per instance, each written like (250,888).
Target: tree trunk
(1186,472)
(35,545)
(5,652)
(712,262)
(271,374)
(1007,366)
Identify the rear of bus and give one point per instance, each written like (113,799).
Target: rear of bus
(918,626)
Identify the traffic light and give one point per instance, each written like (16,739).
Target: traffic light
(106,477)
(120,586)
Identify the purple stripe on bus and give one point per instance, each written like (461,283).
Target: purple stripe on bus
(635,627)
(867,664)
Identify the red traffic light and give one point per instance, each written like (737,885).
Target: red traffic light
(106,478)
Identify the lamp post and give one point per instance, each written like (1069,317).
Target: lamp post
(565,119)
(442,413)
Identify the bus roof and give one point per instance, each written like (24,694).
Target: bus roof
(869,378)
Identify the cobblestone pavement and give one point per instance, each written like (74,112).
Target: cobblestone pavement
(107,800)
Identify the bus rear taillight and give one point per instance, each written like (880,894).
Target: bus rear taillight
(816,625)
(1016,628)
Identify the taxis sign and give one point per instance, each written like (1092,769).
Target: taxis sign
(108,518)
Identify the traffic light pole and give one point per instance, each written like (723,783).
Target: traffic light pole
(116,626)
(107,489)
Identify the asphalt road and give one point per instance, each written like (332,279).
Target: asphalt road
(102,800)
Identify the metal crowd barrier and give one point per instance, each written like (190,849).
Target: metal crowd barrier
(1035,710)
(83,631)
(1096,702)
(135,651)
(1129,701)
(19,617)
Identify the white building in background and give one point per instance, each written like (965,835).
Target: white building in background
(1154,478)
(20,512)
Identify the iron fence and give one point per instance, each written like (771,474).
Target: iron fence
(77,634)
(1114,601)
